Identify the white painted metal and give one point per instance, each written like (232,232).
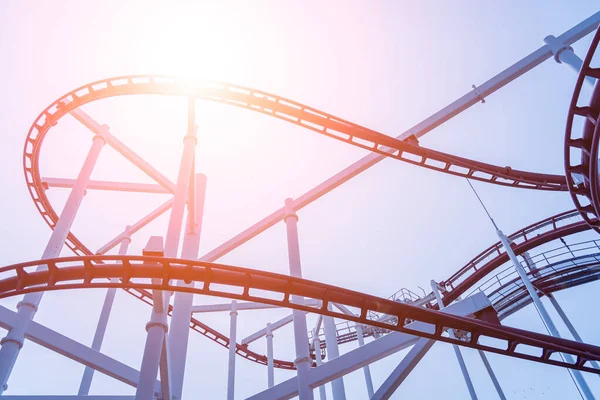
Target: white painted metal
(133,228)
(88,373)
(182,302)
(106,185)
(333,352)
(158,325)
(204,308)
(369,353)
(232,347)
(165,369)
(73,350)
(366,369)
(13,341)
(317,346)
(302,361)
(459,357)
(274,326)
(125,151)
(568,323)
(488,368)
(401,372)
(583,386)
(564,53)
(270,369)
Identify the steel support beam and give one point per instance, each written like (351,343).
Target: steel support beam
(408,363)
(205,308)
(109,299)
(158,326)
(232,347)
(73,350)
(318,360)
(125,151)
(274,326)
(302,361)
(106,185)
(182,302)
(333,352)
(369,353)
(581,383)
(459,357)
(67,397)
(12,343)
(270,369)
(366,370)
(567,322)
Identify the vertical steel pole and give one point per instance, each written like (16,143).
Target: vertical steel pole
(564,54)
(88,373)
(459,357)
(158,325)
(568,323)
(232,347)
(317,346)
(366,369)
(584,388)
(270,369)
(182,303)
(492,375)
(333,351)
(13,341)
(302,361)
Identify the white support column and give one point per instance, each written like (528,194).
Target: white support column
(182,303)
(568,323)
(459,357)
(399,374)
(270,368)
(583,387)
(492,375)
(88,373)
(232,347)
(158,326)
(564,53)
(333,351)
(302,361)
(366,369)
(317,347)
(13,341)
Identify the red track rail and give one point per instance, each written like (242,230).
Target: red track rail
(581,152)
(563,224)
(135,272)
(267,104)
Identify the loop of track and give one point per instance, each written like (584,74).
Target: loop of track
(581,149)
(253,285)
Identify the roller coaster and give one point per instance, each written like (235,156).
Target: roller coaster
(465,310)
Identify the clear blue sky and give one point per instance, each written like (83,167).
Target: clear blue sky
(386,65)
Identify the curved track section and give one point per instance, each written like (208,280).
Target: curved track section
(563,224)
(581,148)
(512,296)
(276,289)
(267,104)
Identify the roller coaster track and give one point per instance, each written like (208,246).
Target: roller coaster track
(511,295)
(276,289)
(272,105)
(581,149)
(563,224)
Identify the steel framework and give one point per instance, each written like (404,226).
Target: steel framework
(465,309)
